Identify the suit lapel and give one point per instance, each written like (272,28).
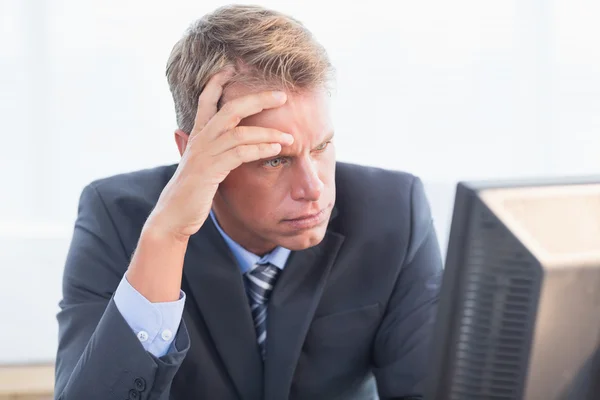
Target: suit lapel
(291,308)
(218,290)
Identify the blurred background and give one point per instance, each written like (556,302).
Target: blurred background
(448,90)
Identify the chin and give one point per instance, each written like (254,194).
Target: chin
(304,240)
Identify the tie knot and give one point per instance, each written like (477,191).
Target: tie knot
(261,281)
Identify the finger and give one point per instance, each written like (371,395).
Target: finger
(239,155)
(209,98)
(244,135)
(230,115)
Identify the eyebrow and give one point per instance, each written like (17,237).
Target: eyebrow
(327,139)
(285,153)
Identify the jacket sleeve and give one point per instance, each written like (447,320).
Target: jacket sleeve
(402,343)
(99,356)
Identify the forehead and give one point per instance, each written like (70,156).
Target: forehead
(306,114)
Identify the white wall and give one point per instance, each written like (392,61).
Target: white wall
(448,90)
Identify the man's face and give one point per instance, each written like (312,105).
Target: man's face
(287,200)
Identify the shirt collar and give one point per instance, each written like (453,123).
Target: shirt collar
(247,260)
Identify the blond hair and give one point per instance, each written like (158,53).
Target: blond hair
(268,49)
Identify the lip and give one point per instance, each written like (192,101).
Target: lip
(306,216)
(307,221)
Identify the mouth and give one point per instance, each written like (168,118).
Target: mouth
(306,216)
(307,221)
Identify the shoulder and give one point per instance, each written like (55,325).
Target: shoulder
(125,199)
(368,177)
(377,201)
(146,183)
(376,190)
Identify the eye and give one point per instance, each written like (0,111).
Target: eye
(275,162)
(322,146)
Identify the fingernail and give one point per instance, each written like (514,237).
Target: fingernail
(279,95)
(288,138)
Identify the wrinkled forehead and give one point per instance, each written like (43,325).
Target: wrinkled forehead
(305,111)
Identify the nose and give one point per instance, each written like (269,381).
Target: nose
(306,185)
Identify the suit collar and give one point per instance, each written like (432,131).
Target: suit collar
(291,309)
(217,289)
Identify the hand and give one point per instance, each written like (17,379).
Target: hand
(215,147)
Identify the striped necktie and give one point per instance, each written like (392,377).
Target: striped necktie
(260,283)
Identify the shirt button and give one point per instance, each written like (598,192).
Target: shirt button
(166,335)
(143,336)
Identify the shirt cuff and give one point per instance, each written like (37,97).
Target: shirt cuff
(154,324)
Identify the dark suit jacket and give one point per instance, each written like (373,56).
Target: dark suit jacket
(350,318)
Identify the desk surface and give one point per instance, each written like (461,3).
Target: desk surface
(26,381)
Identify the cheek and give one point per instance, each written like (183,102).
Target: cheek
(251,193)
(237,188)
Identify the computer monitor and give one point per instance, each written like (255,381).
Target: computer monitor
(519,313)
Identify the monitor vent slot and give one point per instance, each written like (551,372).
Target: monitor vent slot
(500,295)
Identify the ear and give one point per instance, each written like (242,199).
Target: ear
(181,138)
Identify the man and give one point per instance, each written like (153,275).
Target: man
(257,267)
